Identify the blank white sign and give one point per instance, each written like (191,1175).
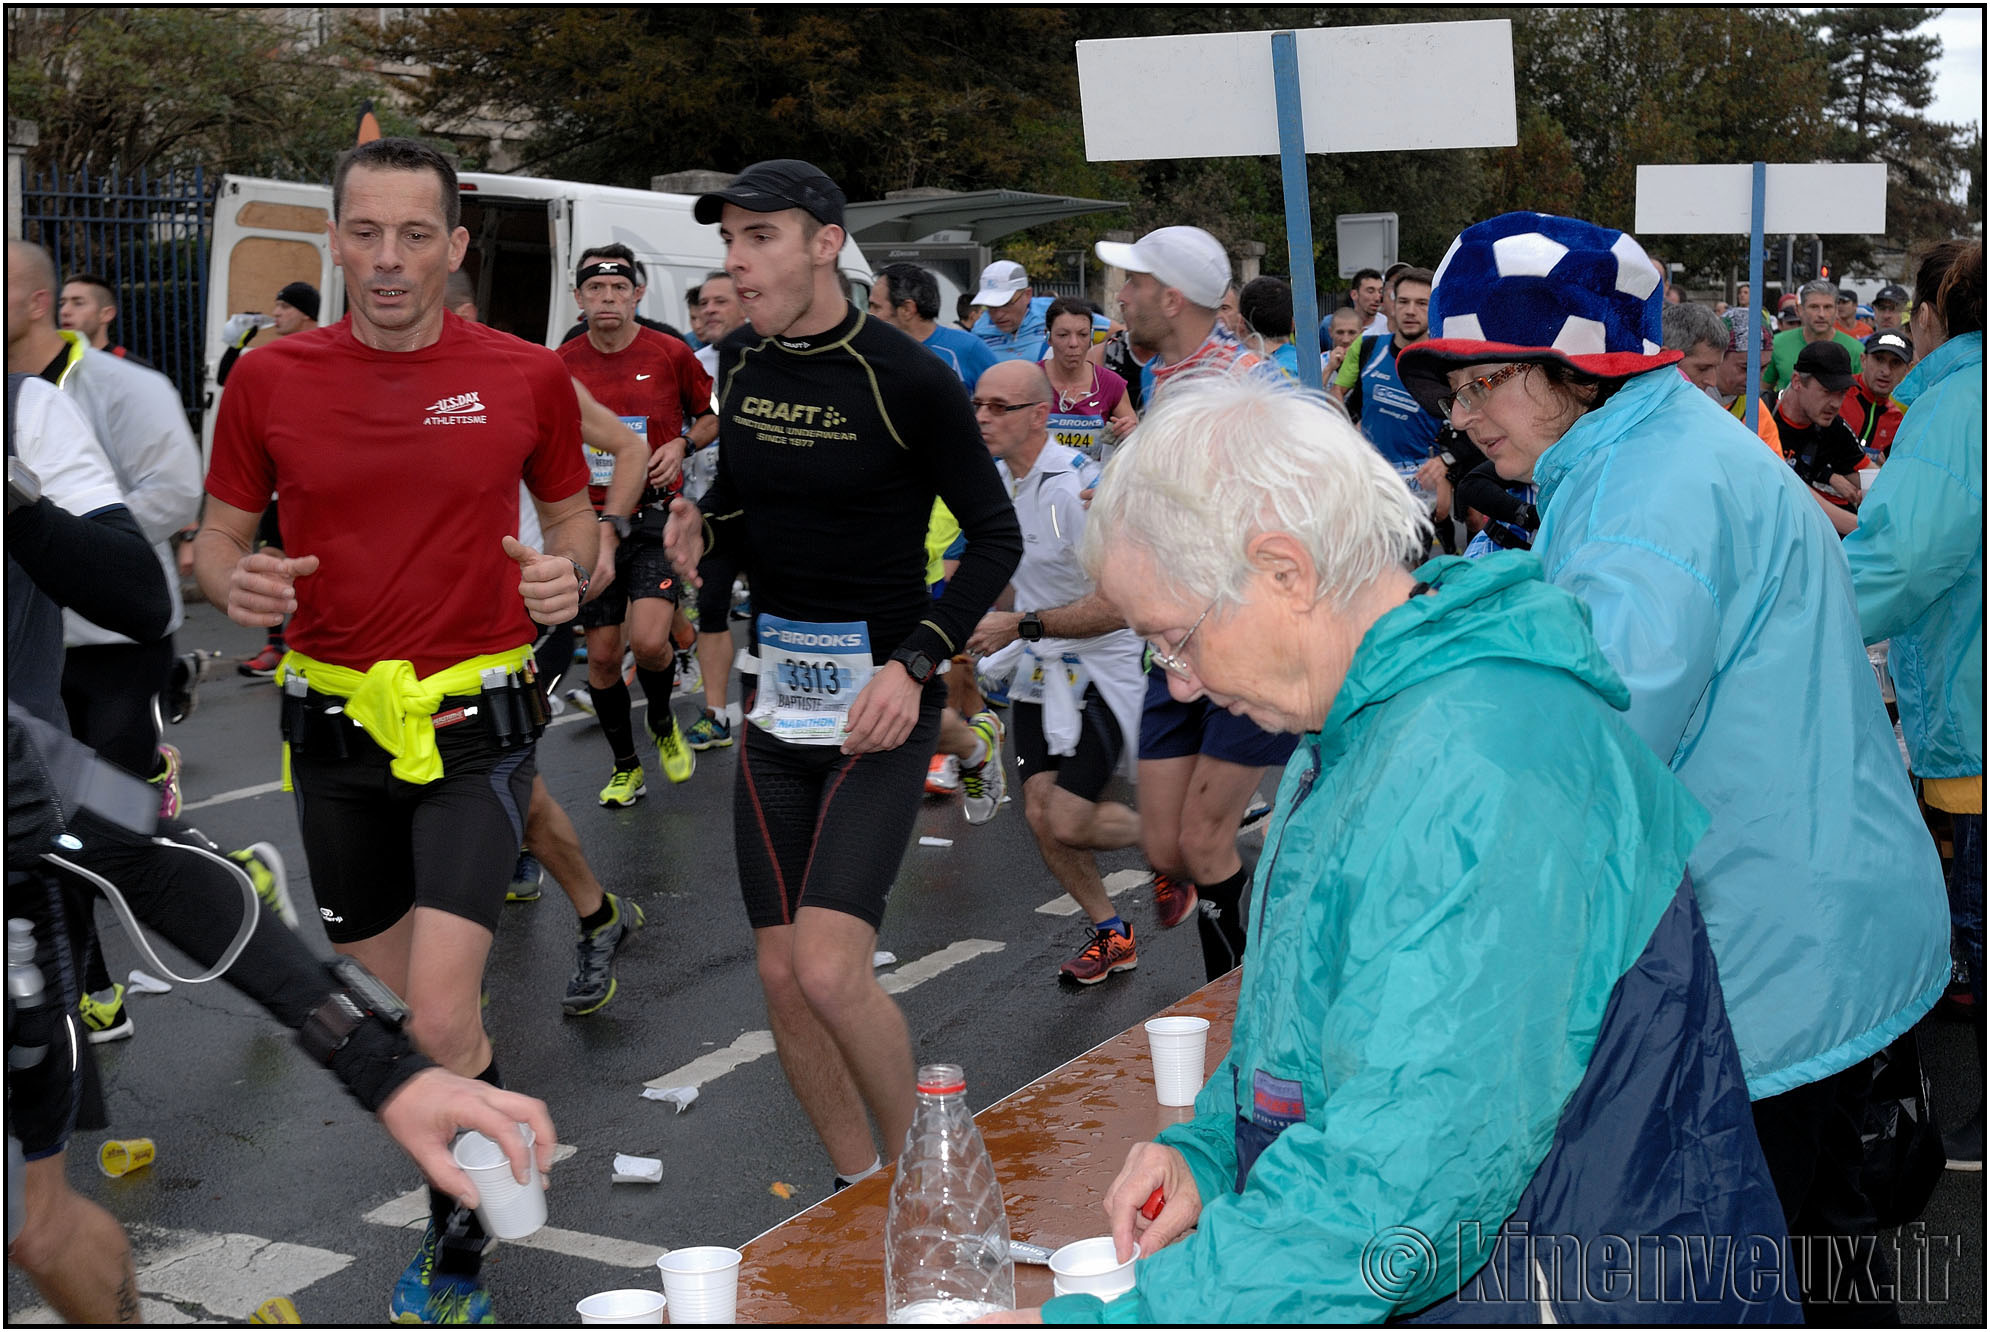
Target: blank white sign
(1391,88)
(1822,198)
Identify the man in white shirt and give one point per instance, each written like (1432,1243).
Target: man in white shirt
(1077,683)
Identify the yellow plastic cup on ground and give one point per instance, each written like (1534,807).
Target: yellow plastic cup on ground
(275,1310)
(120,1156)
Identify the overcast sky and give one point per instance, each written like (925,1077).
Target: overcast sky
(1959,75)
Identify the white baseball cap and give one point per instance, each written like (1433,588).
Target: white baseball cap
(1000,282)
(1188,259)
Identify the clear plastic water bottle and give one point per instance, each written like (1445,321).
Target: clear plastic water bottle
(946,1237)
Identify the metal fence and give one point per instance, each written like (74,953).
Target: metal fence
(148,237)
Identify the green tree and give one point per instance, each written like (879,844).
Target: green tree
(1882,82)
(122,89)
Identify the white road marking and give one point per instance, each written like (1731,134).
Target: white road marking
(1116,883)
(225,1276)
(931,965)
(750,1046)
(754,1045)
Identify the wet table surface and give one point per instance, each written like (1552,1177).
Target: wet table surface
(1057,1143)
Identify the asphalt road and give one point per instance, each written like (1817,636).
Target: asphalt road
(270,1181)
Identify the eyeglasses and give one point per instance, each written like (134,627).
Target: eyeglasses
(1003,407)
(1173,662)
(1472,396)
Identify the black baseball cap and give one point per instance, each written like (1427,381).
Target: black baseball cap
(772,186)
(1828,363)
(1891,294)
(1891,341)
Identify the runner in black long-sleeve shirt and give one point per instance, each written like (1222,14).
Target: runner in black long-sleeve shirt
(836,434)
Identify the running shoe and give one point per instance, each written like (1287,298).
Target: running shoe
(982,787)
(1254,813)
(526,877)
(710,731)
(555,705)
(943,775)
(995,692)
(182,694)
(263,665)
(264,867)
(593,984)
(107,1022)
(1173,900)
(677,758)
(168,782)
(580,699)
(625,788)
(1964,1144)
(1109,951)
(421,1298)
(690,675)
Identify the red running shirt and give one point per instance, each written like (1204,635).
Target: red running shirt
(656,377)
(400,472)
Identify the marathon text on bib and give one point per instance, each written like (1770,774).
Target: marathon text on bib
(809,675)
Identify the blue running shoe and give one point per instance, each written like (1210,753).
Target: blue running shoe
(421,1298)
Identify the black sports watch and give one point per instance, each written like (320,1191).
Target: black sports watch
(360,996)
(1030,627)
(916,663)
(617,521)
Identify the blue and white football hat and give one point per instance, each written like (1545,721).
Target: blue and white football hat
(1536,287)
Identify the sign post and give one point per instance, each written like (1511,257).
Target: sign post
(1135,95)
(1298,208)
(1725,200)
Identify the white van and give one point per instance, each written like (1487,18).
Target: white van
(525,235)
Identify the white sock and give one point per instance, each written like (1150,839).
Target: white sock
(877,1164)
(980,755)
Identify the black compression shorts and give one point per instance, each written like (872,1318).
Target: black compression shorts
(716,573)
(378,846)
(813,826)
(1100,745)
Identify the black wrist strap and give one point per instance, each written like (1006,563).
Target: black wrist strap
(375,1061)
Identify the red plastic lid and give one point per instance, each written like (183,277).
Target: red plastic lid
(942,1088)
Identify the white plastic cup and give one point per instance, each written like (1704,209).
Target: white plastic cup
(1092,1267)
(701,1283)
(1179,1044)
(505,1208)
(622,1307)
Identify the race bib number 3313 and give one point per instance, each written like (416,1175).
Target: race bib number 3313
(810,673)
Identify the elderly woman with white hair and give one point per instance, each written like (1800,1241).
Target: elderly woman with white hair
(1480,1028)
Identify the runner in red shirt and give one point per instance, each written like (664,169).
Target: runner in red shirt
(396,440)
(1869,408)
(654,383)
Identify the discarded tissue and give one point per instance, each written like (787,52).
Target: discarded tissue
(681,1097)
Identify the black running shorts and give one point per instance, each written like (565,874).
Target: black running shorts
(641,570)
(1100,744)
(813,826)
(378,846)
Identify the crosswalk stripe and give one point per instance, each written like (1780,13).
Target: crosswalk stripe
(1116,883)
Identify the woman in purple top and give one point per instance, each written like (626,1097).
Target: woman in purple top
(1089,411)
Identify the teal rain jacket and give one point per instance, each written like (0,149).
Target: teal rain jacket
(1720,593)
(1917,560)
(1436,934)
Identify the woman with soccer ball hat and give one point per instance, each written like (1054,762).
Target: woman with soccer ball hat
(1718,592)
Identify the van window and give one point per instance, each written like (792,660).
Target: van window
(510,260)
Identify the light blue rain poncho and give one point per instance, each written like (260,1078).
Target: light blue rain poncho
(1917,560)
(1719,591)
